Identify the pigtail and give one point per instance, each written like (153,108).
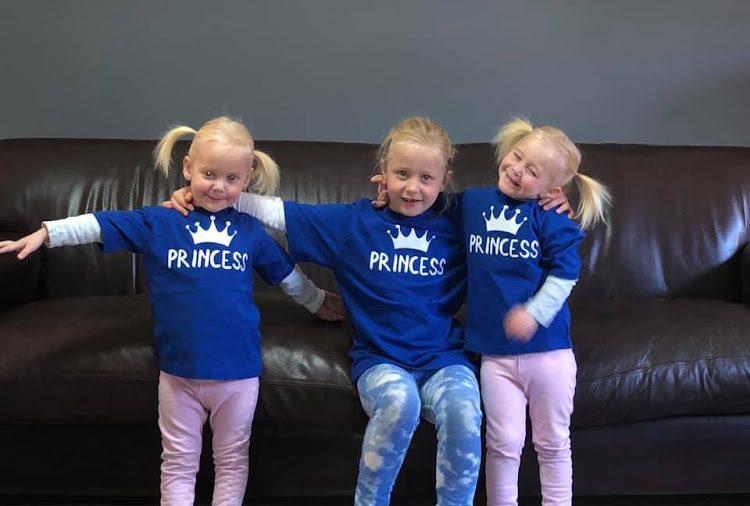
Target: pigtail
(163,150)
(594,203)
(265,178)
(509,135)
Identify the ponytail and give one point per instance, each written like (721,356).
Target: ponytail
(594,203)
(265,178)
(163,150)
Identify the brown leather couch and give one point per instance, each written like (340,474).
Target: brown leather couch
(661,329)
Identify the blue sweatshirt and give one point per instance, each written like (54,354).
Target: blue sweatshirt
(401,279)
(512,246)
(200,279)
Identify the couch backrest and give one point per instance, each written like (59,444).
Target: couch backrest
(679,220)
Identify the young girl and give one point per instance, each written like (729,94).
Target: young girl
(523,262)
(401,272)
(206,325)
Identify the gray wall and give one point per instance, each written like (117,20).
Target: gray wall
(644,71)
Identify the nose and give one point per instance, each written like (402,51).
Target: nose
(218,185)
(411,185)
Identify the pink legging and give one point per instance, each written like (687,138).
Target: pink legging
(184,405)
(546,381)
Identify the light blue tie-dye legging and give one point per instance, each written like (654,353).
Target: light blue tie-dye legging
(394,399)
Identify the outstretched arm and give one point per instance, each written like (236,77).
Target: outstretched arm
(25,245)
(71,231)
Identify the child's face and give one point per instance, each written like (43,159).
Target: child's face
(414,177)
(217,173)
(530,169)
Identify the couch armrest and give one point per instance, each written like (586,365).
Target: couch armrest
(20,278)
(745,273)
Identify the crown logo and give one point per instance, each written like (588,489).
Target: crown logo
(501,224)
(211,234)
(410,241)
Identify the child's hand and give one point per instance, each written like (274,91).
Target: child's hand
(332,309)
(26,245)
(560,201)
(182,201)
(519,324)
(382,199)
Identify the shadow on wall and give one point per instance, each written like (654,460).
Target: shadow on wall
(715,112)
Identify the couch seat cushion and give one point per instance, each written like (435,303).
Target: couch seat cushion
(84,358)
(648,359)
(92,359)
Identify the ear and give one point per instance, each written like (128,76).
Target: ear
(382,167)
(186,165)
(447,179)
(551,193)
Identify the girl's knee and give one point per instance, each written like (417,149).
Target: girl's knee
(507,442)
(551,446)
(395,403)
(398,411)
(459,408)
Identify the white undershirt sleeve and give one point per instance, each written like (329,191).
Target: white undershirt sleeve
(547,302)
(268,210)
(83,229)
(302,290)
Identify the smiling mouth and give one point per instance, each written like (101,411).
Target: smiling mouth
(514,183)
(411,201)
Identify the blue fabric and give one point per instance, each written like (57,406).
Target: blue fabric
(206,324)
(512,246)
(401,279)
(394,399)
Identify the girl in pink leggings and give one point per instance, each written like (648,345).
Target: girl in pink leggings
(200,278)
(523,262)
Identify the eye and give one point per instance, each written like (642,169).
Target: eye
(426,177)
(401,173)
(517,156)
(232,177)
(209,174)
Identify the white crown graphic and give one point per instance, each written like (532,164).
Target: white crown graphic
(500,224)
(211,234)
(410,241)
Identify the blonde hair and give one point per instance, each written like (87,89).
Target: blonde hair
(419,131)
(264,179)
(595,198)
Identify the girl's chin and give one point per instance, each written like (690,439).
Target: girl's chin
(407,210)
(507,187)
(211,205)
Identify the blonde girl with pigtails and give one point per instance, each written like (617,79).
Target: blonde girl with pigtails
(200,279)
(264,172)
(523,262)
